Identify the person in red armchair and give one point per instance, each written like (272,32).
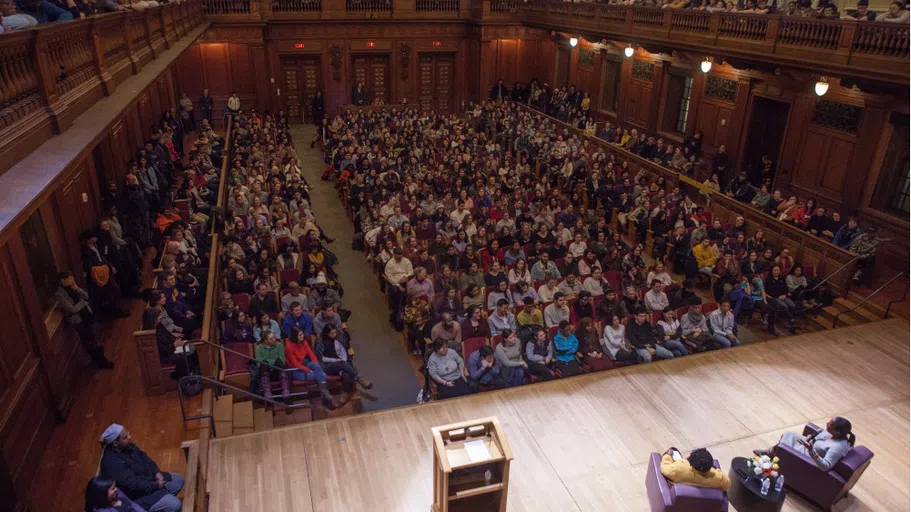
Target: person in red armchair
(825,447)
(697,470)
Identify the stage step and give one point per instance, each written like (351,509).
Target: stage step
(862,311)
(224,416)
(243,417)
(262,419)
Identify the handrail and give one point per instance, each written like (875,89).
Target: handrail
(893,301)
(824,281)
(887,283)
(233,389)
(241,354)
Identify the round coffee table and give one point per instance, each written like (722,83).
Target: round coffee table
(745,493)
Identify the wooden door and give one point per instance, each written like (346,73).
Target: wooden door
(436,82)
(292,93)
(372,71)
(309,81)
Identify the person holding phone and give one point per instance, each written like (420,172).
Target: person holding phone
(825,447)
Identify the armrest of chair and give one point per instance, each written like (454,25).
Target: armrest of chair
(802,473)
(811,428)
(657,487)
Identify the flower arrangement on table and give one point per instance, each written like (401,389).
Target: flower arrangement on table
(764,466)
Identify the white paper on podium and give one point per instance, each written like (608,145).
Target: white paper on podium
(477,450)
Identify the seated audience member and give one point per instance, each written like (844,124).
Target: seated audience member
(297,317)
(583,307)
(671,331)
(631,300)
(295,294)
(543,268)
(501,319)
(539,354)
(328,316)
(530,314)
(322,292)
(473,297)
(697,470)
(263,302)
(43,11)
(483,369)
(272,352)
(137,475)
(565,346)
(449,331)
(447,369)
(571,286)
(594,284)
(509,355)
(846,234)
(591,346)
(333,358)
(722,325)
(685,295)
(548,290)
(557,311)
(643,337)
(825,447)
(263,324)
(500,292)
(742,301)
(611,306)
(300,356)
(896,14)
(776,288)
(655,299)
(660,274)
(11,20)
(695,329)
(448,302)
(474,326)
(102,495)
(705,257)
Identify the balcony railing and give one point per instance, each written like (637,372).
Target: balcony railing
(436,5)
(297,5)
(368,5)
(48,73)
(227,7)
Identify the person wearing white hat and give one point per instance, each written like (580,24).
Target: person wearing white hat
(136,473)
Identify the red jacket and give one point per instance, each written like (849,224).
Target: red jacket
(295,353)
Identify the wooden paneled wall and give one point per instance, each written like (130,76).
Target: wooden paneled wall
(39,354)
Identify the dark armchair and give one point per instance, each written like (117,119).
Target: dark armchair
(664,496)
(823,488)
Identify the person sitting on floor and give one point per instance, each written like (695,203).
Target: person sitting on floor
(137,474)
(102,495)
(697,470)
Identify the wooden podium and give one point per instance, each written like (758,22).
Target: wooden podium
(470,467)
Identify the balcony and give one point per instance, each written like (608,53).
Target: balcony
(51,74)
(877,51)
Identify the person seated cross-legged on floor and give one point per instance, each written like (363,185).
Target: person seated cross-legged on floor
(697,470)
(272,352)
(136,474)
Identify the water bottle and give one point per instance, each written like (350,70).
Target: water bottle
(779,483)
(765,486)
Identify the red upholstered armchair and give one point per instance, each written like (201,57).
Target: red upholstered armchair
(823,488)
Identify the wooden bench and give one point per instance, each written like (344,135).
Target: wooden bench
(156,378)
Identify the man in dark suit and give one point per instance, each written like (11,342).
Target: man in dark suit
(205,104)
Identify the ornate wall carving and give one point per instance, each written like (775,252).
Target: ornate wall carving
(839,116)
(404,59)
(335,60)
(586,57)
(643,70)
(720,88)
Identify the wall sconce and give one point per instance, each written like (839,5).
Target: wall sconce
(822,86)
(628,51)
(573,42)
(706,65)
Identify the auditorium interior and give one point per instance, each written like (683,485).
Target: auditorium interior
(288,247)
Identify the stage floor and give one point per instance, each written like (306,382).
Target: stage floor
(583,443)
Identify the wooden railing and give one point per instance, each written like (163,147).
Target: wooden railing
(805,248)
(51,74)
(297,6)
(368,5)
(436,5)
(227,7)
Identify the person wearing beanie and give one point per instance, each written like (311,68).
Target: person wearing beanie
(137,475)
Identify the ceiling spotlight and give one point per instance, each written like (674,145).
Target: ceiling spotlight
(573,42)
(628,51)
(822,86)
(706,65)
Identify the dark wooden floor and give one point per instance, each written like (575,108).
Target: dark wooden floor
(105,397)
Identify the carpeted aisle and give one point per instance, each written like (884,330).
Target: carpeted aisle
(380,356)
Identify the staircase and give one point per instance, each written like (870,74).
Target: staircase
(857,309)
(236,415)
